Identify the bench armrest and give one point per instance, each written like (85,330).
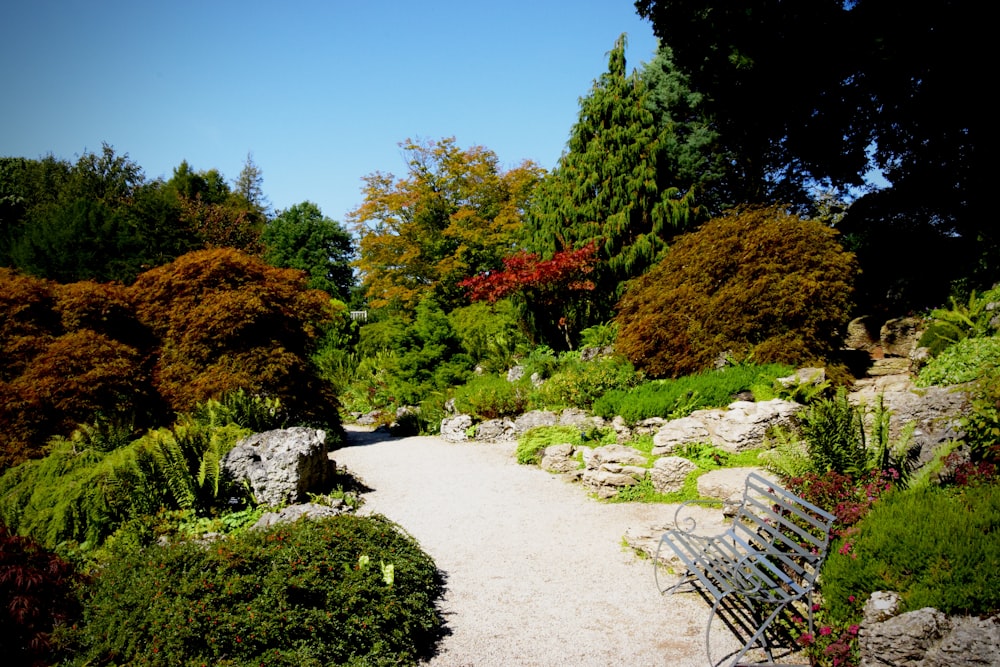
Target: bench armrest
(690,524)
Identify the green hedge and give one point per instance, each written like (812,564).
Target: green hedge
(347,591)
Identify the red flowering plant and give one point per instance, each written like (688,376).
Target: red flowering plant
(832,643)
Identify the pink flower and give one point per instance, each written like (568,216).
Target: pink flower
(806,639)
(851,598)
(825,630)
(854,629)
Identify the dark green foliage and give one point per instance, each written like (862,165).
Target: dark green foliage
(310,593)
(679,397)
(756,283)
(616,186)
(302,238)
(939,336)
(937,547)
(38,589)
(490,396)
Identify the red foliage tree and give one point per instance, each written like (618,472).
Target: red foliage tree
(527,274)
(549,290)
(36,594)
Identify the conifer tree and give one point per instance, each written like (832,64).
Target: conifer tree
(612,186)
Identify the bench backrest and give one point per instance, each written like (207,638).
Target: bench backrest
(793,533)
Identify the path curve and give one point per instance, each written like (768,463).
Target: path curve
(537,574)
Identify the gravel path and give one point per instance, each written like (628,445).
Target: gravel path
(536,571)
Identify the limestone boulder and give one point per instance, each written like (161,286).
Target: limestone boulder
(293,513)
(281,466)
(669,472)
(456,429)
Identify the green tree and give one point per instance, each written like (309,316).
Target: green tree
(825,90)
(457,213)
(302,238)
(250,186)
(614,186)
(756,283)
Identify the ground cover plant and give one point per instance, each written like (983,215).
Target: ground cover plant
(345,590)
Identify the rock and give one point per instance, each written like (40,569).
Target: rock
(858,336)
(724,483)
(903,640)
(925,637)
(295,512)
(745,424)
(559,459)
(669,472)
(495,430)
(456,429)
(881,605)
(580,419)
(529,420)
(605,483)
(803,376)
(890,366)
(898,337)
(515,373)
(616,454)
(972,642)
(281,466)
(679,432)
(740,427)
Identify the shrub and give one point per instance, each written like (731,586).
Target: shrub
(938,548)
(578,383)
(972,319)
(490,333)
(757,281)
(225,321)
(679,397)
(344,590)
(38,589)
(492,396)
(832,437)
(965,361)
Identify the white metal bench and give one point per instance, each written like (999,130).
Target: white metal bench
(766,560)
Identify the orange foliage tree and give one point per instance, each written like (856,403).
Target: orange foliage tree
(70,352)
(225,321)
(757,283)
(211,322)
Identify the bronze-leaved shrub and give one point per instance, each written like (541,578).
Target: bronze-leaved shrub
(757,282)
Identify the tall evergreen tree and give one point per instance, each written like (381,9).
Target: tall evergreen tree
(614,186)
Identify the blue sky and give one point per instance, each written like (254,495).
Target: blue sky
(320,93)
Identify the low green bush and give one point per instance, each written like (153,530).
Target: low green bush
(938,547)
(491,396)
(346,590)
(965,361)
(579,384)
(679,397)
